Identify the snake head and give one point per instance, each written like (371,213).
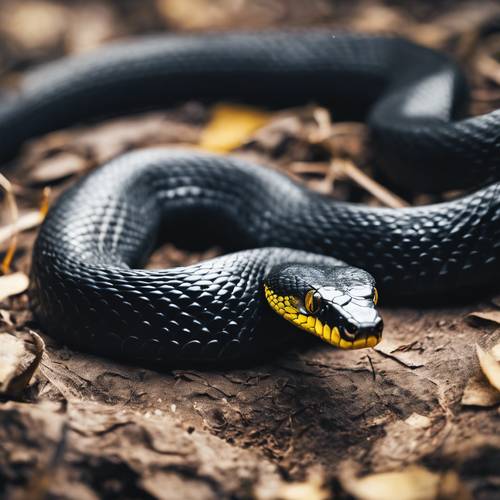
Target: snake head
(337,304)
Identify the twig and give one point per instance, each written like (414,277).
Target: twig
(14,215)
(382,194)
(26,221)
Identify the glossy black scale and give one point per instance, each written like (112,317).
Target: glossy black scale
(86,285)
(86,291)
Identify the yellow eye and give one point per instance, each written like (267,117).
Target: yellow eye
(312,301)
(375,296)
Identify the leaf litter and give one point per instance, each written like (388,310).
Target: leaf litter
(391,419)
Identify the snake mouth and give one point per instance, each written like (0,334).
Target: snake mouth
(367,336)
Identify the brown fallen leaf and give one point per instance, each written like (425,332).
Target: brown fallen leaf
(412,483)
(495,352)
(20,356)
(311,489)
(418,421)
(89,26)
(24,223)
(103,142)
(489,366)
(478,392)
(231,125)
(13,284)
(57,167)
(210,14)
(34,25)
(493,316)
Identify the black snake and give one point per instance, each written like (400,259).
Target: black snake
(87,286)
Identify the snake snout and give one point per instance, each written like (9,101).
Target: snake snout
(374,327)
(360,321)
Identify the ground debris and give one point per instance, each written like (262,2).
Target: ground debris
(20,355)
(411,483)
(417,415)
(489,366)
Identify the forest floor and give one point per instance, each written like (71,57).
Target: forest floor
(413,418)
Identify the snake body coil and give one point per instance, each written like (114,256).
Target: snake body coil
(86,287)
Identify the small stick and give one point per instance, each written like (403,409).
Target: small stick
(14,215)
(382,194)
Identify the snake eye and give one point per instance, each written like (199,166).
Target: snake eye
(312,301)
(375,296)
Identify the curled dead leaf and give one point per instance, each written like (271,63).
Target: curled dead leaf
(13,284)
(56,168)
(412,483)
(27,221)
(489,366)
(478,392)
(493,316)
(20,356)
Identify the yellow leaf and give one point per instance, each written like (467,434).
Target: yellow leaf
(231,125)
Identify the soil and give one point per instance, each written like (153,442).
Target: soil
(413,418)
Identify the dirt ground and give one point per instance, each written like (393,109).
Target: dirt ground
(413,418)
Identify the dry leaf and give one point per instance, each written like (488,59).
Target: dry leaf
(20,356)
(13,284)
(493,316)
(25,222)
(490,367)
(418,421)
(210,14)
(56,168)
(310,489)
(478,392)
(113,137)
(495,352)
(413,483)
(230,126)
(377,18)
(90,26)
(34,25)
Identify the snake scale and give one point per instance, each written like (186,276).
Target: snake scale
(291,249)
